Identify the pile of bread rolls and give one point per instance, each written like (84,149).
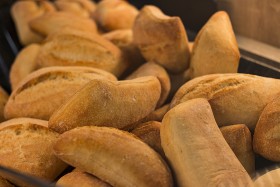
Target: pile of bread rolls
(122,97)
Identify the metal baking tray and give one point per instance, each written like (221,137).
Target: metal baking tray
(250,62)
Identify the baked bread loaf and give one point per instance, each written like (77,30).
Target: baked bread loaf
(152,69)
(25,11)
(215,48)
(124,40)
(52,22)
(45,90)
(196,149)
(270,178)
(108,103)
(3,100)
(234,98)
(149,133)
(92,51)
(115,14)
(121,160)
(5,183)
(266,141)
(26,146)
(162,39)
(24,64)
(80,179)
(239,139)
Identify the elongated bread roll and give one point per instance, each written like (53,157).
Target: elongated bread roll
(234,98)
(266,141)
(91,50)
(162,39)
(239,139)
(153,69)
(197,150)
(3,100)
(26,146)
(45,90)
(80,179)
(271,179)
(24,64)
(54,21)
(108,103)
(215,49)
(121,160)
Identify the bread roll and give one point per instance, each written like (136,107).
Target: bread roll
(149,133)
(266,141)
(54,21)
(234,98)
(45,90)
(215,48)
(26,146)
(24,64)
(152,69)
(91,50)
(196,149)
(239,139)
(115,14)
(80,179)
(108,103)
(162,39)
(3,100)
(23,12)
(121,160)
(271,179)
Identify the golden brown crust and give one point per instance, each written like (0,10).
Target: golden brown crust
(239,139)
(26,146)
(196,149)
(149,133)
(45,90)
(80,179)
(92,50)
(23,12)
(24,64)
(3,100)
(5,183)
(54,21)
(115,14)
(72,7)
(215,49)
(124,40)
(162,39)
(271,178)
(231,95)
(121,160)
(108,103)
(152,69)
(266,138)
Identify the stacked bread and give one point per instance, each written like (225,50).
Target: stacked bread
(121,95)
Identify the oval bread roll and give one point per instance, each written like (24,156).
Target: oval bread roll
(234,98)
(266,141)
(26,146)
(108,103)
(239,139)
(197,150)
(45,90)
(121,160)
(80,179)
(115,14)
(271,179)
(162,39)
